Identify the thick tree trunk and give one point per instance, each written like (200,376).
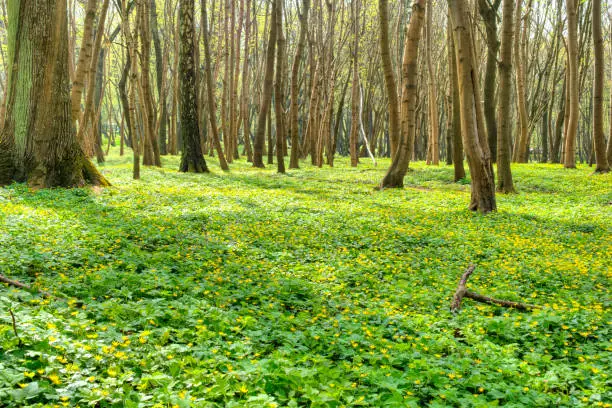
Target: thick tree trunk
(38,142)
(390,83)
(598,88)
(472,120)
(504,134)
(573,106)
(401,160)
(192,159)
(260,134)
(295,80)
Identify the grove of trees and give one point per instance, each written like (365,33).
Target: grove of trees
(493,82)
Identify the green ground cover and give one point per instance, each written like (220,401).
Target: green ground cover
(252,289)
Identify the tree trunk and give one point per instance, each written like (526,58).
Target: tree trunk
(488,12)
(84,61)
(521,142)
(260,134)
(38,142)
(210,92)
(278,88)
(159,67)
(295,80)
(598,88)
(390,83)
(573,105)
(504,134)
(354,135)
(401,160)
(457,140)
(192,159)
(472,120)
(434,135)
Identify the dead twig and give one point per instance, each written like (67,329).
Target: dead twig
(15,327)
(462,292)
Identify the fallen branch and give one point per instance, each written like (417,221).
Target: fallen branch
(20,285)
(462,292)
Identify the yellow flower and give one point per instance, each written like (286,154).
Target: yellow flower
(54,379)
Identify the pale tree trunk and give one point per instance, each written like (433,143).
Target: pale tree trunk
(244,107)
(260,134)
(504,134)
(472,120)
(401,160)
(160,64)
(573,107)
(210,92)
(295,80)
(598,87)
(432,94)
(192,159)
(390,83)
(38,142)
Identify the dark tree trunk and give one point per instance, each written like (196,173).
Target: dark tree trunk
(192,159)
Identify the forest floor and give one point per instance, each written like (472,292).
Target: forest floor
(253,289)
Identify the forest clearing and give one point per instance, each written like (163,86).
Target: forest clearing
(253,289)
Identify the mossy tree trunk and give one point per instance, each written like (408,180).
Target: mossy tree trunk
(38,143)
(598,88)
(192,159)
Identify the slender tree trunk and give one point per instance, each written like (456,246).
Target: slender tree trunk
(354,135)
(244,96)
(488,12)
(434,135)
(267,94)
(160,68)
(401,160)
(210,92)
(390,83)
(84,61)
(278,88)
(457,139)
(295,91)
(598,87)
(573,106)
(504,134)
(521,142)
(472,120)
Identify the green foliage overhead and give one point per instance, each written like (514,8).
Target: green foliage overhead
(251,289)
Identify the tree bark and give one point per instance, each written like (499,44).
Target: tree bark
(264,109)
(504,134)
(295,80)
(390,83)
(472,121)
(573,107)
(602,165)
(434,134)
(192,159)
(401,160)
(459,169)
(38,142)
